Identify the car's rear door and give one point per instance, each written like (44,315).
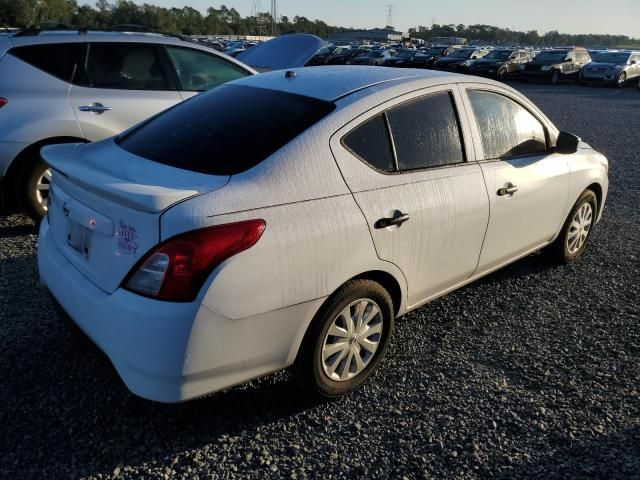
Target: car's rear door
(120,85)
(426,205)
(527,183)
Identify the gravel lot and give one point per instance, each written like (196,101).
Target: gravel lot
(531,372)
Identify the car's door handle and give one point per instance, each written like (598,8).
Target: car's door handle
(398,219)
(508,190)
(95,108)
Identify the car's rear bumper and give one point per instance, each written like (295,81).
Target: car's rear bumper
(170,352)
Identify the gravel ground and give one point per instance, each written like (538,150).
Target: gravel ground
(531,372)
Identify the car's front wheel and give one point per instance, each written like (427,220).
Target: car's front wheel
(576,231)
(502,74)
(622,79)
(555,77)
(346,340)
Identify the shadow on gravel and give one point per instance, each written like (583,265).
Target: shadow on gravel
(615,456)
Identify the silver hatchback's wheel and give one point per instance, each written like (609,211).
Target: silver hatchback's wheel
(43,184)
(352,340)
(579,228)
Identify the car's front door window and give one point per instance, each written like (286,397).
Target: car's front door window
(506,128)
(199,71)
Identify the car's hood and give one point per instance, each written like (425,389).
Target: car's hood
(606,64)
(286,51)
(545,62)
(452,60)
(488,61)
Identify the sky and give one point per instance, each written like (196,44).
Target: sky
(566,16)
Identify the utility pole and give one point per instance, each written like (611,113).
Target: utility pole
(274,17)
(390,9)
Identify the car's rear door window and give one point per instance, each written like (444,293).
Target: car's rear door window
(59,60)
(506,128)
(226,130)
(426,132)
(370,141)
(124,66)
(199,71)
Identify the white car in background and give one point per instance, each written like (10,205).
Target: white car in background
(198,259)
(60,86)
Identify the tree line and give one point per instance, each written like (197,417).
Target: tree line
(227,21)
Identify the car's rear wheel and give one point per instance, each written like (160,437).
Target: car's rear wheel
(37,184)
(576,231)
(346,340)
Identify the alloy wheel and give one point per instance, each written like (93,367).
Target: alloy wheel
(352,340)
(579,228)
(43,185)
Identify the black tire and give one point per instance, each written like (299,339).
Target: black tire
(559,249)
(555,77)
(32,175)
(502,74)
(308,369)
(622,80)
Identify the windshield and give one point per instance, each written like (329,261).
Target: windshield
(201,134)
(499,54)
(620,57)
(551,56)
(405,54)
(462,54)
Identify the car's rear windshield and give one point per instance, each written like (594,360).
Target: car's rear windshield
(225,131)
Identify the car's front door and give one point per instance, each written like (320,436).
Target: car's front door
(120,85)
(527,183)
(425,204)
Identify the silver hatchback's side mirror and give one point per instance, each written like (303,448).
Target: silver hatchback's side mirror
(567,143)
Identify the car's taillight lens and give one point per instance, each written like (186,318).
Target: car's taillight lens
(3,102)
(176,269)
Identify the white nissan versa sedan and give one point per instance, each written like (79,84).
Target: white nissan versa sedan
(288,218)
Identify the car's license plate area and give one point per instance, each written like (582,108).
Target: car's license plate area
(79,238)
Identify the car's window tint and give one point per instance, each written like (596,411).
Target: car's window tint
(506,128)
(59,60)
(200,71)
(124,66)
(426,132)
(226,130)
(370,141)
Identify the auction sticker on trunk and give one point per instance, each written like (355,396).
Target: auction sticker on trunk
(127,239)
(78,237)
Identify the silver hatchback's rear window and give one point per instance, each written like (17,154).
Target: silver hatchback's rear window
(225,131)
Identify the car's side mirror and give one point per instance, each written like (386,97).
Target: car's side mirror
(567,143)
(634,62)
(567,60)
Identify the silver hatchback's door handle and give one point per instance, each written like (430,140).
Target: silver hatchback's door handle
(95,108)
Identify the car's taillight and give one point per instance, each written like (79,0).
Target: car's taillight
(3,102)
(176,269)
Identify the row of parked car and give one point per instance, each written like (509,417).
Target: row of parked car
(612,67)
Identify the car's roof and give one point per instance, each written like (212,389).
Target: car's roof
(330,83)
(71,36)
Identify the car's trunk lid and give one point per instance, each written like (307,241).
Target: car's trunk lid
(105,206)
